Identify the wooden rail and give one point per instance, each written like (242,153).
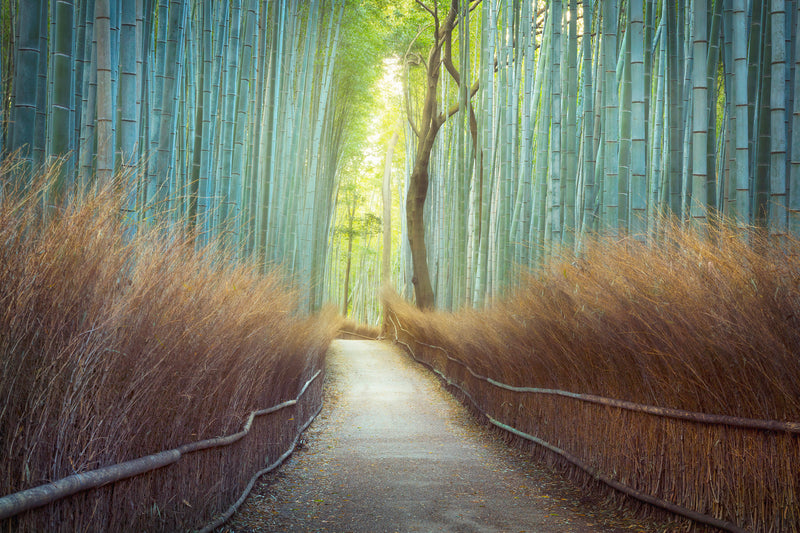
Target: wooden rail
(668,412)
(18,502)
(770,425)
(224,517)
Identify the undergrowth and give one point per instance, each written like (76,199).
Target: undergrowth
(114,346)
(349,329)
(703,321)
(702,324)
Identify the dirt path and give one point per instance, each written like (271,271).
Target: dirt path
(393,451)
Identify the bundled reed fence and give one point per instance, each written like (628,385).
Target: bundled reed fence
(671,373)
(238,472)
(117,344)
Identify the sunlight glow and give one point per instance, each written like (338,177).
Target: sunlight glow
(390,88)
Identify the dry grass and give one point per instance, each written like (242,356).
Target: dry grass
(349,329)
(112,348)
(708,325)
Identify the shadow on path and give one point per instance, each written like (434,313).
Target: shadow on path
(393,451)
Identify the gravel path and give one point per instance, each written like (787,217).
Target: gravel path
(393,451)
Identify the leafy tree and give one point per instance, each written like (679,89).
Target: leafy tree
(356,224)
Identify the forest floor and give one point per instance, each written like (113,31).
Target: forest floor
(394,451)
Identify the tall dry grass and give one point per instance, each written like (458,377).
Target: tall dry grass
(113,347)
(350,329)
(701,324)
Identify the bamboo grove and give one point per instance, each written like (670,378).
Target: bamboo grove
(232,121)
(219,114)
(606,116)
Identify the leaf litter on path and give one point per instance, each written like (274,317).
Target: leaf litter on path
(392,450)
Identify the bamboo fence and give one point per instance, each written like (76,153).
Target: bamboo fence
(732,473)
(177,489)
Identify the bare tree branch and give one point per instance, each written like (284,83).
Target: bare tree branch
(446,31)
(426,8)
(431,123)
(411,58)
(407,95)
(436,18)
(414,40)
(455,108)
(448,59)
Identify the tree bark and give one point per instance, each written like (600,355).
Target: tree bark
(415,210)
(426,133)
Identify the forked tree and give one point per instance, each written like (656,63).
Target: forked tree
(425,130)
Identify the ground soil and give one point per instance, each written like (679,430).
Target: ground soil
(393,451)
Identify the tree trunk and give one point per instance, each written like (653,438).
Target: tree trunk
(61,130)
(611,119)
(418,182)
(699,195)
(777,168)
(415,210)
(350,234)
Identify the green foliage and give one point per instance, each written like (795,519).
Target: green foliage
(356,220)
(592,117)
(371,34)
(355,248)
(375,35)
(366,224)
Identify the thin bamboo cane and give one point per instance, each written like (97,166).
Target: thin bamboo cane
(574,460)
(706,418)
(14,504)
